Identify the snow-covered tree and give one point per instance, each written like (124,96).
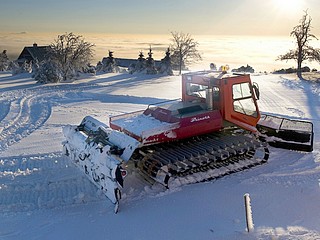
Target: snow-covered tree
(25,67)
(165,64)
(108,64)
(140,66)
(35,67)
(90,69)
(71,53)
(150,65)
(15,68)
(48,72)
(4,61)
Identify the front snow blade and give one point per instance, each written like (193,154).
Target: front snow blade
(99,151)
(286,133)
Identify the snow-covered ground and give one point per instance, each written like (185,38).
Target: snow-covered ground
(43,196)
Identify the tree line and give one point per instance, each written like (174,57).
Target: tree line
(70,54)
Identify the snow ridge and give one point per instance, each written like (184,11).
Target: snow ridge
(30,183)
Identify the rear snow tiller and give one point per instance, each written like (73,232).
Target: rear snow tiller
(286,133)
(209,133)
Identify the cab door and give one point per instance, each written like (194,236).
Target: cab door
(239,102)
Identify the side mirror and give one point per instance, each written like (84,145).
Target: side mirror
(255,87)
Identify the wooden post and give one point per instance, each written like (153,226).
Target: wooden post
(249,220)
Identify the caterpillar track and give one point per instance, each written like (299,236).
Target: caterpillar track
(200,158)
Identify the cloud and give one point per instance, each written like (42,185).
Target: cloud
(20,33)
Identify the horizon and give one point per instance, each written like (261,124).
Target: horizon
(103,41)
(260,52)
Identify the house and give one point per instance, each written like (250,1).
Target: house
(29,54)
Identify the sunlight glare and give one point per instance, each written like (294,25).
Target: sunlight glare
(288,6)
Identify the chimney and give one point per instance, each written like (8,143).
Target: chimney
(35,45)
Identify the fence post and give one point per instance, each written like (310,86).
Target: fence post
(249,220)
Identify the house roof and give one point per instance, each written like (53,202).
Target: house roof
(32,53)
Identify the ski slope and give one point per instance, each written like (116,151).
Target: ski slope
(43,196)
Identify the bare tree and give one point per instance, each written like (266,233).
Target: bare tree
(71,53)
(184,49)
(303,52)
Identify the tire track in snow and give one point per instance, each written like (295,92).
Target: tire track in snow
(26,114)
(4,109)
(13,110)
(11,120)
(40,182)
(28,110)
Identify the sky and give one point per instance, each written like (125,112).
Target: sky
(207,17)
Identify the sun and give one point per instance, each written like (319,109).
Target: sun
(289,6)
